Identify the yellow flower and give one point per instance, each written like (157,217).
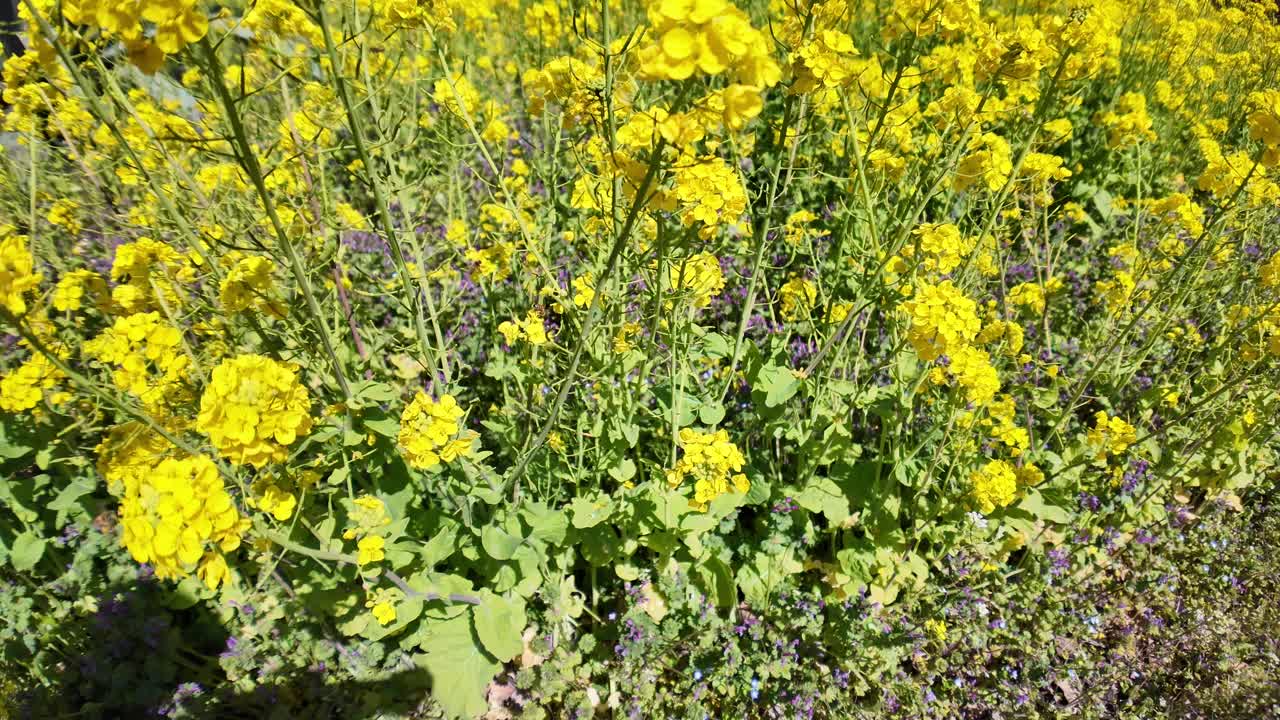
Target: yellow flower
(583,291)
(798,296)
(146,356)
(714,463)
(709,193)
(531,328)
(370,549)
(1028,295)
(1129,124)
(988,163)
(942,320)
(249,285)
(68,294)
(176,513)
(1111,435)
(937,629)
(253,409)
(700,276)
(17,271)
(383,611)
(972,369)
(22,389)
(277,501)
(428,429)
(368,514)
(994,485)
(213,570)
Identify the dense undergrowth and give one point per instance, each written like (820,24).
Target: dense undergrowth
(670,359)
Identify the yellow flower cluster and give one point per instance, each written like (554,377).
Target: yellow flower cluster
(994,485)
(568,83)
(179,518)
(415,13)
(707,36)
(942,320)
(147,269)
(17,271)
(127,454)
(1029,295)
(1129,123)
(531,328)
(69,293)
(710,193)
(1111,435)
(281,18)
(249,285)
(1224,174)
(714,463)
(823,61)
(925,17)
(987,164)
(700,276)
(1264,123)
(941,246)
(178,23)
(22,389)
(146,356)
(253,409)
(798,295)
(972,369)
(430,432)
(368,513)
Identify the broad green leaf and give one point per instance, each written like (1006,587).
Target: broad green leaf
(623,471)
(718,581)
(775,385)
(545,524)
(459,666)
(500,624)
(1035,503)
(669,506)
(27,550)
(824,496)
(716,345)
(598,544)
(711,413)
(498,543)
(386,427)
(68,499)
(590,511)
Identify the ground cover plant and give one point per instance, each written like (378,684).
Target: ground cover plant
(501,358)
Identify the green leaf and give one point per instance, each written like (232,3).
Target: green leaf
(623,471)
(460,668)
(186,593)
(590,511)
(775,385)
(374,392)
(718,581)
(386,427)
(711,413)
(669,506)
(716,345)
(11,449)
(545,524)
(824,496)
(339,476)
(500,624)
(27,550)
(499,544)
(598,544)
(1035,503)
(68,497)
